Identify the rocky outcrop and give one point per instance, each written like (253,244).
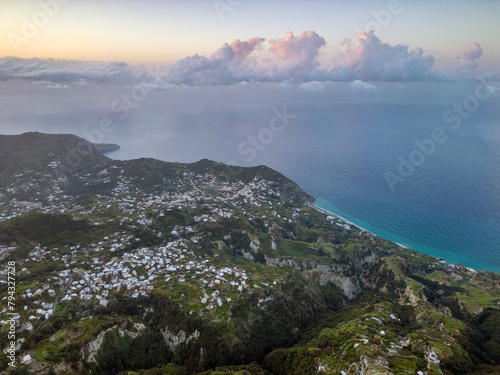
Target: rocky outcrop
(323,274)
(346,277)
(173,340)
(90,351)
(349,286)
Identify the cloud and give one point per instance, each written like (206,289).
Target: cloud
(82,82)
(196,70)
(302,48)
(57,86)
(371,60)
(50,85)
(225,66)
(65,71)
(287,60)
(360,85)
(467,57)
(247,84)
(313,86)
(299,52)
(237,50)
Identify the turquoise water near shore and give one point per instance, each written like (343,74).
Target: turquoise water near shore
(421,248)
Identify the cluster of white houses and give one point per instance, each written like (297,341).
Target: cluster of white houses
(89,278)
(92,274)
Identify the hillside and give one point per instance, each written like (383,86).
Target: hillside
(148,267)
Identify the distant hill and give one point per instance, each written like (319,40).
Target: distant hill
(34,151)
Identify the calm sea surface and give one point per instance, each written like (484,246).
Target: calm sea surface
(337,143)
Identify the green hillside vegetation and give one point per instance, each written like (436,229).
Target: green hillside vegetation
(34,151)
(146,267)
(47,229)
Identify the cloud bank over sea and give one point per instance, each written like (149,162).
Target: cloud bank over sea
(286,60)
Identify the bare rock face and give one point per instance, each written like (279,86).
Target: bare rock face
(173,340)
(323,274)
(90,351)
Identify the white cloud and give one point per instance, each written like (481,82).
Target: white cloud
(313,86)
(50,85)
(57,71)
(360,85)
(57,86)
(371,60)
(289,59)
(245,84)
(82,82)
(200,70)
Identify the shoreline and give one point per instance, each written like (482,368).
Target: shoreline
(344,220)
(329,213)
(451,263)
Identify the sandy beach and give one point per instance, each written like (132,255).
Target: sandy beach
(344,220)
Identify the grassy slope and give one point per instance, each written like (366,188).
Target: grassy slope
(330,340)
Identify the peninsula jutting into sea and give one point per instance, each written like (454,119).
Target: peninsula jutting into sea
(149,267)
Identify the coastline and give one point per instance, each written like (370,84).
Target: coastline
(344,220)
(451,259)
(449,256)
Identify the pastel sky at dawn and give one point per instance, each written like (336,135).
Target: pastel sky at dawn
(285,40)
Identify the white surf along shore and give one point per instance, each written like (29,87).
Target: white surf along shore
(343,222)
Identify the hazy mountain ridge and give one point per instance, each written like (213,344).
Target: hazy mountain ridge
(347,300)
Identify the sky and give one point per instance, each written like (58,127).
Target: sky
(289,40)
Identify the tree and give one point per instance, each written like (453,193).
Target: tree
(260,257)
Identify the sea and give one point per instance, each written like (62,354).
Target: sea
(417,163)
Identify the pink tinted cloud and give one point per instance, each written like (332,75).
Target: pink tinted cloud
(301,48)
(371,60)
(237,50)
(299,54)
(466,59)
